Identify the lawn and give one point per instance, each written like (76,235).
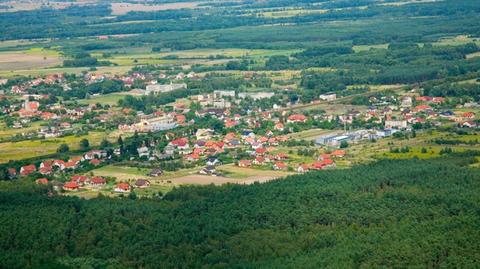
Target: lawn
(106,99)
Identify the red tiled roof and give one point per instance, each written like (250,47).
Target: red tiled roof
(42,181)
(70,185)
(123,186)
(297,117)
(97,181)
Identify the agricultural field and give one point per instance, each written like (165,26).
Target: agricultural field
(122,8)
(29,59)
(290,13)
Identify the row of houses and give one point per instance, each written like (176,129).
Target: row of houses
(94,157)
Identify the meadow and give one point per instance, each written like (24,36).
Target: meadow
(33,148)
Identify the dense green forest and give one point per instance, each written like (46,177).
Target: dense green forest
(392,214)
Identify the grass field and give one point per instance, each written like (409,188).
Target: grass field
(369,151)
(106,99)
(310,134)
(7,132)
(122,173)
(33,148)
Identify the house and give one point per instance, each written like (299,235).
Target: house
(468,115)
(143,152)
(42,181)
(281,156)
(398,124)
(470,124)
(259,160)
(27,170)
(209,170)
(406,101)
(122,187)
(12,172)
(95,154)
(279,166)
(80,179)
(338,153)
(46,170)
(297,118)
(260,151)
(97,181)
(328,97)
(204,134)
(142,183)
(421,108)
(212,161)
(70,165)
(155,172)
(326,163)
(244,163)
(317,165)
(180,143)
(70,186)
(303,168)
(95,162)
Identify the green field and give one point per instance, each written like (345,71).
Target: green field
(34,148)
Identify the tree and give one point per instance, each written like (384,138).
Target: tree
(84,144)
(105,144)
(343,144)
(63,148)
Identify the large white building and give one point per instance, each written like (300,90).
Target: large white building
(256,95)
(328,97)
(161,88)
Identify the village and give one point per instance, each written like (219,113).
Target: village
(202,136)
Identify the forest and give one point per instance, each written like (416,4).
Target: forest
(392,213)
